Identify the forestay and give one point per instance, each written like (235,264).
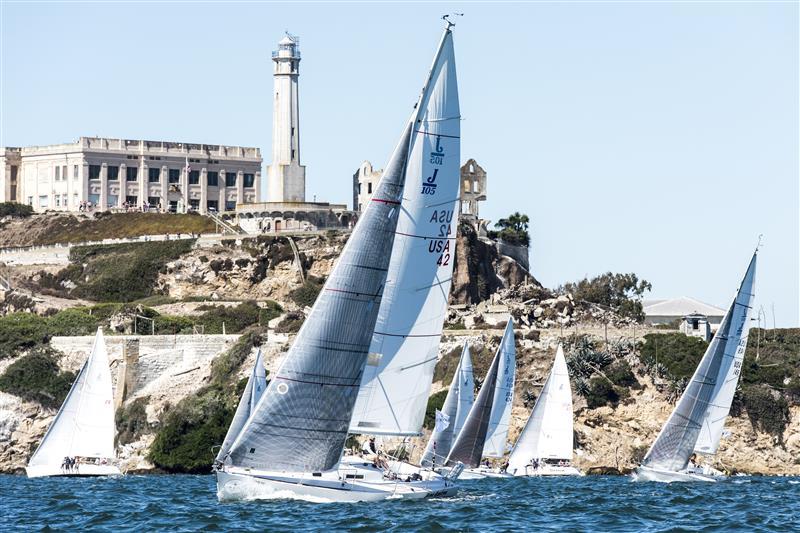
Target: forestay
(730,369)
(256,384)
(84,425)
(397,378)
(676,441)
(456,406)
(468,445)
(548,432)
(497,432)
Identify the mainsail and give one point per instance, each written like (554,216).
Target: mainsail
(469,444)
(84,426)
(456,407)
(256,385)
(397,378)
(548,432)
(497,432)
(704,405)
(301,422)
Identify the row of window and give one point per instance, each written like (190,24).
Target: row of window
(173,176)
(61,172)
(62,200)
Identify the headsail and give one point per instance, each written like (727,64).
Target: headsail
(397,379)
(256,384)
(84,425)
(679,436)
(548,432)
(456,406)
(301,422)
(497,432)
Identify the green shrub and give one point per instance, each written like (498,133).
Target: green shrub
(14,209)
(122,272)
(678,353)
(36,377)
(20,331)
(766,409)
(436,401)
(513,230)
(446,365)
(291,323)
(306,295)
(778,352)
(235,318)
(602,392)
(131,421)
(171,325)
(225,366)
(76,321)
(620,374)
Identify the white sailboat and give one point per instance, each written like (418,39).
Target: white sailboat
(256,385)
(340,368)
(485,431)
(544,448)
(455,409)
(695,425)
(80,440)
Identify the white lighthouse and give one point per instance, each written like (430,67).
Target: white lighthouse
(286,180)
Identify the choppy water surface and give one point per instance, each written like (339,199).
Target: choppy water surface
(188,503)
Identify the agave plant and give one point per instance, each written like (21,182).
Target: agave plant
(581,386)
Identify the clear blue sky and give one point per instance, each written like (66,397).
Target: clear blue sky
(658,138)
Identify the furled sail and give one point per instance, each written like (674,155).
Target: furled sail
(456,407)
(301,422)
(397,378)
(469,443)
(677,440)
(256,385)
(731,367)
(497,432)
(548,432)
(84,425)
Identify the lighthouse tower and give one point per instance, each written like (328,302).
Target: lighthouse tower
(286,180)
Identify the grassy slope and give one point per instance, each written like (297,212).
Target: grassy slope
(54,229)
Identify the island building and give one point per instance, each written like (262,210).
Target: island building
(286,208)
(690,314)
(473,188)
(101,174)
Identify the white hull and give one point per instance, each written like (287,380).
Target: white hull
(474,473)
(82,470)
(550,470)
(350,483)
(644,473)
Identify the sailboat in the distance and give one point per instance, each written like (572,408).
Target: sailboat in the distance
(80,440)
(696,424)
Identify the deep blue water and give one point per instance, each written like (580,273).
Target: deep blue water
(188,503)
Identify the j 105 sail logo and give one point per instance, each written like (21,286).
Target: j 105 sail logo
(437,158)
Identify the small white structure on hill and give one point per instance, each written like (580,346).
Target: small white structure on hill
(662,312)
(696,325)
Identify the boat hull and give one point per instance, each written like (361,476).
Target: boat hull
(550,471)
(644,473)
(344,485)
(83,470)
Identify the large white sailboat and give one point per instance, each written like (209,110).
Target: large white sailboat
(80,440)
(485,431)
(376,315)
(695,425)
(544,448)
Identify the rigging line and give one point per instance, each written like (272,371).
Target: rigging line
(404,368)
(438,134)
(441,119)
(444,202)
(434,238)
(437,284)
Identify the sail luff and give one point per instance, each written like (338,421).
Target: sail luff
(677,439)
(461,387)
(404,350)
